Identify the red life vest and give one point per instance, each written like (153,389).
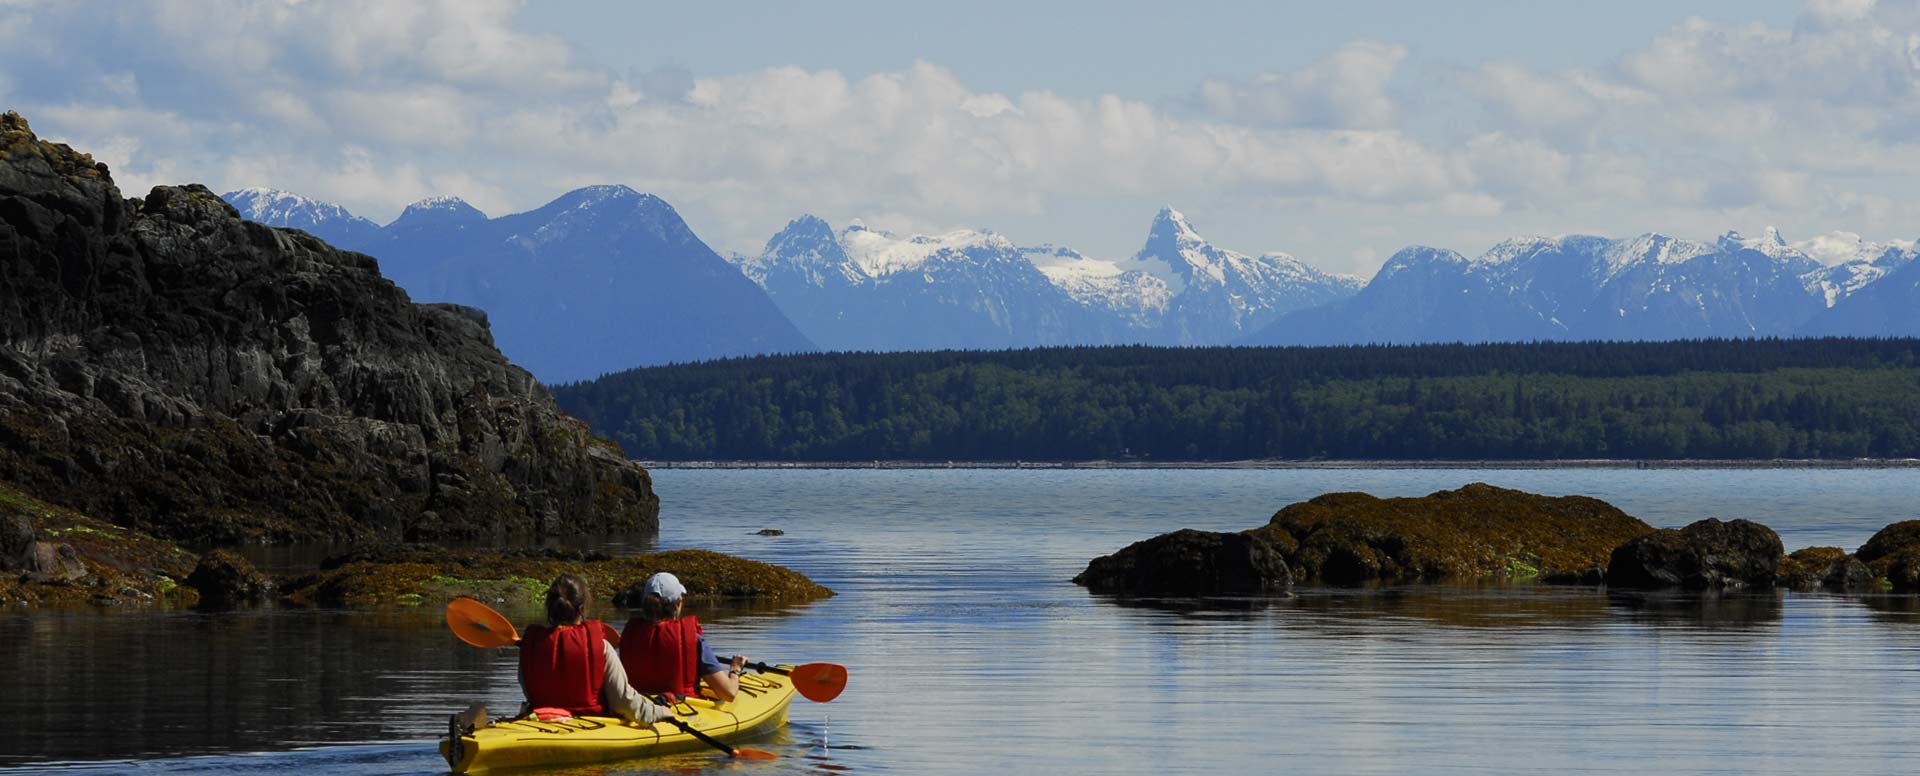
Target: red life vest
(662,656)
(564,667)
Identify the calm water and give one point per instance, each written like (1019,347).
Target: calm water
(971,652)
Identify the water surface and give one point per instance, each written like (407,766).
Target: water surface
(970,651)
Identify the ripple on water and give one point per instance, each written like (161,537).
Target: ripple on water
(971,652)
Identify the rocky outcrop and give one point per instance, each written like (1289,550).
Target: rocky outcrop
(413,574)
(225,579)
(183,372)
(1477,531)
(1894,553)
(1708,554)
(1827,568)
(50,555)
(1189,562)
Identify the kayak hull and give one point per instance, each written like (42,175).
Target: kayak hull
(760,707)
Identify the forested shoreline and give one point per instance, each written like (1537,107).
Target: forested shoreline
(1717,399)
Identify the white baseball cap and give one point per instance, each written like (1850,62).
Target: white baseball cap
(665,585)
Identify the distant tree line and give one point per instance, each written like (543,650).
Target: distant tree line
(1753,399)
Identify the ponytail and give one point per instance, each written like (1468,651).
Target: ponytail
(567,599)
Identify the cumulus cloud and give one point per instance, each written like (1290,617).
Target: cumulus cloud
(375,104)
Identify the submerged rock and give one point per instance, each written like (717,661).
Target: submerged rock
(1707,554)
(199,377)
(1478,531)
(225,579)
(1189,562)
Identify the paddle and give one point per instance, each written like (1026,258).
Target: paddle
(479,625)
(817,682)
(741,752)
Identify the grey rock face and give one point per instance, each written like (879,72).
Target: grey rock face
(176,369)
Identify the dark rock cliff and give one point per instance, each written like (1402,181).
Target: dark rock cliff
(175,369)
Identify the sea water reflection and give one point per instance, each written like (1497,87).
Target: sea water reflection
(970,652)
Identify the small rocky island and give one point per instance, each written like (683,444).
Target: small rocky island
(173,376)
(1483,532)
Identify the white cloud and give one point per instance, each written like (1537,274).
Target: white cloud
(375,104)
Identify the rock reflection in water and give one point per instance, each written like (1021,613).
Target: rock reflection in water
(1700,609)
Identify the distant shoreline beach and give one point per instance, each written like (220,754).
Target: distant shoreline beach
(1857,463)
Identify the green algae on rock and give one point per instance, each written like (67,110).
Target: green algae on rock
(1477,531)
(53,556)
(418,574)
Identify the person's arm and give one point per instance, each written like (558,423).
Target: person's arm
(722,678)
(621,698)
(526,706)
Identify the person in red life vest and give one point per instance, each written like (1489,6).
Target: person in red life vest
(665,652)
(568,664)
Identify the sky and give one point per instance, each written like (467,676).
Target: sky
(1337,132)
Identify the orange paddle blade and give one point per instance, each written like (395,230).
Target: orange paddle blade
(819,682)
(754,754)
(479,625)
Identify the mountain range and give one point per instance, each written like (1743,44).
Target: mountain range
(1650,287)
(605,278)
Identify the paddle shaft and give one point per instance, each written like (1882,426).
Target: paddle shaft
(704,738)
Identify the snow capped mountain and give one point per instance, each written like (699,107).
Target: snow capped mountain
(1580,287)
(1220,295)
(438,212)
(866,289)
(1847,262)
(1132,290)
(1178,289)
(324,220)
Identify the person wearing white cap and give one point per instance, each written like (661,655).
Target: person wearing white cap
(666,652)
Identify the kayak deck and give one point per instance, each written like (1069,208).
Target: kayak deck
(760,706)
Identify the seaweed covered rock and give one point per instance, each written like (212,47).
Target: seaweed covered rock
(1894,554)
(225,579)
(1476,531)
(1829,568)
(1189,562)
(414,574)
(51,555)
(183,372)
(1707,554)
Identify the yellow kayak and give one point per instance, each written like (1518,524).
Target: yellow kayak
(760,706)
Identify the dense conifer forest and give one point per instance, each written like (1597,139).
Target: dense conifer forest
(1736,399)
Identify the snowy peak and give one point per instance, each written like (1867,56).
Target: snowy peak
(434,212)
(879,254)
(282,208)
(1416,256)
(807,247)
